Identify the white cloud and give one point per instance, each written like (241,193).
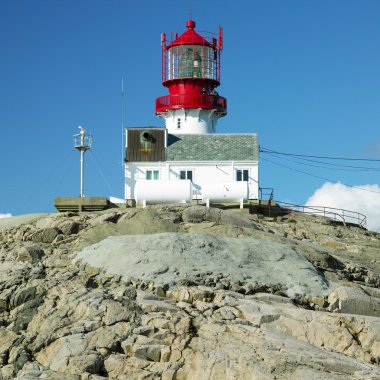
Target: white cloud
(350,198)
(5,215)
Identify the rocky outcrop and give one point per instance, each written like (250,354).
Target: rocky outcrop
(198,258)
(179,292)
(355,300)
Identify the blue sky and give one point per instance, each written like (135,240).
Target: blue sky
(304,75)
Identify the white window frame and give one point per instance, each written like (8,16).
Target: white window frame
(242,172)
(187,171)
(152,173)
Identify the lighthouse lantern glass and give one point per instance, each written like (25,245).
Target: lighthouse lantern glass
(191,61)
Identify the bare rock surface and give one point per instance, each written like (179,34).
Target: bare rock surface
(170,258)
(18,220)
(183,292)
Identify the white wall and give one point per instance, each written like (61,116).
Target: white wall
(203,172)
(193,121)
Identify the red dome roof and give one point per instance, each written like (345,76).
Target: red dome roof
(190,37)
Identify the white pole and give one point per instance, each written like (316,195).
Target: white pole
(82,133)
(82,143)
(81,173)
(123,142)
(122,121)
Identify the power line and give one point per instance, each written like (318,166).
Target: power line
(323,178)
(101,172)
(265,150)
(348,168)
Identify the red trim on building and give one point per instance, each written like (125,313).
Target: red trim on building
(192,101)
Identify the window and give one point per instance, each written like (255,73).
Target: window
(242,175)
(186,174)
(152,174)
(187,61)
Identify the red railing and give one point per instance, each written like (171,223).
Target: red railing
(191,101)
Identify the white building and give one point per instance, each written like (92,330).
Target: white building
(187,161)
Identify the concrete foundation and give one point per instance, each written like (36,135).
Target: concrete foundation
(78,204)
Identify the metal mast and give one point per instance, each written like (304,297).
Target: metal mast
(82,142)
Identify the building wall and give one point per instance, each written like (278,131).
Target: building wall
(202,173)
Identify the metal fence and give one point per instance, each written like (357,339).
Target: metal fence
(337,214)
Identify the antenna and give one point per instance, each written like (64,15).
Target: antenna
(122,120)
(82,142)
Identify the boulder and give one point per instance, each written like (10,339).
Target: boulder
(22,295)
(110,217)
(7,338)
(69,227)
(353,301)
(108,339)
(30,253)
(47,222)
(116,312)
(46,235)
(69,355)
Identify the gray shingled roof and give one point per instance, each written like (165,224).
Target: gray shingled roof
(218,147)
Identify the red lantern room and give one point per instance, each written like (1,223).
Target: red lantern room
(191,72)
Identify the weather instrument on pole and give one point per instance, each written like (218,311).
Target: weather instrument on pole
(82,142)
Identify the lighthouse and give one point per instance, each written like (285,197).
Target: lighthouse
(187,161)
(191,73)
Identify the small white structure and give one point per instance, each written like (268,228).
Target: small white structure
(225,192)
(163,191)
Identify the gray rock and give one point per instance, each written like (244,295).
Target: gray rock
(116,312)
(46,235)
(25,314)
(48,222)
(353,301)
(30,253)
(18,356)
(198,214)
(7,338)
(187,256)
(19,220)
(69,227)
(72,321)
(110,217)
(69,355)
(23,295)
(128,214)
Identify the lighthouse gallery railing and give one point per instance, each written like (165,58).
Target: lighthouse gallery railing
(204,101)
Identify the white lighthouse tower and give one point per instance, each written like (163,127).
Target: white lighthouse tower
(191,72)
